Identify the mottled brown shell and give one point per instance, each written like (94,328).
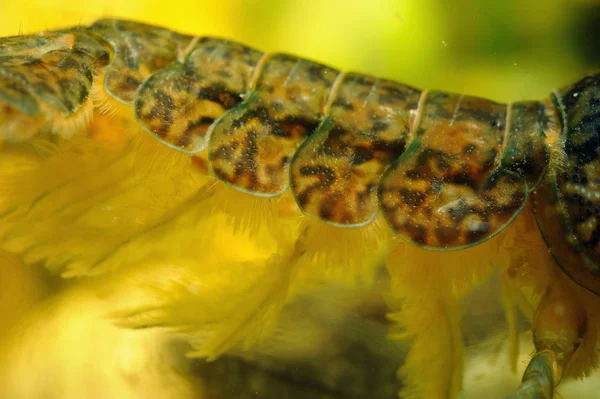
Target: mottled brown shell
(568,207)
(44,76)
(179,104)
(447,171)
(525,151)
(56,69)
(335,173)
(139,50)
(251,145)
(448,191)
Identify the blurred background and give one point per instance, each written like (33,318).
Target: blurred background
(53,343)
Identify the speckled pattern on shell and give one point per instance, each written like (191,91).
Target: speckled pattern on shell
(447,190)
(252,145)
(334,175)
(525,151)
(55,69)
(448,171)
(139,50)
(568,209)
(179,104)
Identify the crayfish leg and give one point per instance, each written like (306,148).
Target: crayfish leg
(564,330)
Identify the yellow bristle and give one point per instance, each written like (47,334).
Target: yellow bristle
(18,127)
(526,272)
(241,299)
(107,105)
(555,140)
(350,254)
(221,297)
(68,126)
(434,365)
(246,213)
(511,297)
(61,210)
(426,292)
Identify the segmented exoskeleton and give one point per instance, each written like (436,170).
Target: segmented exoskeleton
(446,171)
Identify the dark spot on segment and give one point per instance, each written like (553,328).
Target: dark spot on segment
(42,87)
(527,167)
(460,211)
(35,63)
(165,102)
(74,93)
(412,174)
(494,118)
(517,198)
(447,235)
(205,120)
(163,128)
(89,76)
(469,149)
(569,100)
(393,95)
(247,166)
(316,73)
(379,127)
(577,199)
(326,175)
(225,152)
(261,114)
(200,125)
(15,86)
(412,198)
(220,94)
(70,61)
(416,232)
(281,132)
(490,160)
(277,106)
(361,155)
(296,128)
(429,157)
(363,80)
(341,102)
(327,209)
(124,53)
(337,143)
(130,83)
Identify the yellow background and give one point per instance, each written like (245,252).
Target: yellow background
(504,50)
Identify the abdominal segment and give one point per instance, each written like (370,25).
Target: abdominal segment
(446,170)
